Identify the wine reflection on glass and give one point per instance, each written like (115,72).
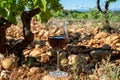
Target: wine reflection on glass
(58,39)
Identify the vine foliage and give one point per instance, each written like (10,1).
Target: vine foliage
(26,9)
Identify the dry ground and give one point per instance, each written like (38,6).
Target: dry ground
(85,58)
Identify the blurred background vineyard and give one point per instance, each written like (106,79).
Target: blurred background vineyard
(93,14)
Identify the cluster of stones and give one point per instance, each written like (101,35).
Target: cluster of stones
(83,52)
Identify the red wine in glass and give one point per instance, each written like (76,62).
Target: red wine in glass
(58,42)
(58,39)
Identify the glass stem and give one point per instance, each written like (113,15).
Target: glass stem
(58,62)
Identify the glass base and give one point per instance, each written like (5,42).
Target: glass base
(58,74)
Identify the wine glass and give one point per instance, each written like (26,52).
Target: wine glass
(58,39)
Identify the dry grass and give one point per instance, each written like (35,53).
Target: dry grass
(105,70)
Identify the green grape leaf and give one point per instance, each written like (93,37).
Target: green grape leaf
(30,61)
(44,2)
(10,1)
(44,16)
(3,12)
(10,9)
(2,4)
(35,2)
(11,18)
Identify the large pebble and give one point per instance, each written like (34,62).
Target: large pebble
(101,35)
(9,63)
(114,38)
(35,53)
(99,54)
(34,70)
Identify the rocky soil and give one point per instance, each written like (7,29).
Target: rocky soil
(87,47)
